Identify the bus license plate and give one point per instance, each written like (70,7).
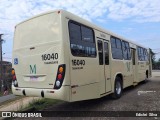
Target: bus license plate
(33,78)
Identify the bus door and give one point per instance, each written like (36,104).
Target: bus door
(104,65)
(134,66)
(150,63)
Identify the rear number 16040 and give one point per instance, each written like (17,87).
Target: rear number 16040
(52,56)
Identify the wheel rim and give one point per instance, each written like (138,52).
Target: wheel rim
(118,87)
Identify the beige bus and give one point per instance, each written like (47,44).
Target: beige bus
(61,56)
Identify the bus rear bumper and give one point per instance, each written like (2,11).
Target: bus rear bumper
(61,94)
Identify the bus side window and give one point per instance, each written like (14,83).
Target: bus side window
(82,42)
(106,52)
(142,54)
(116,46)
(126,50)
(100,52)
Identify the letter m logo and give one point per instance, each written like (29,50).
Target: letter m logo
(33,69)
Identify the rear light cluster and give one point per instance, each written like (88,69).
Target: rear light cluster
(14,79)
(60,76)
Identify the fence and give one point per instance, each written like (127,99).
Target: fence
(5,75)
(156,67)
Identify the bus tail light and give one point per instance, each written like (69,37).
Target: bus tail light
(14,79)
(60,76)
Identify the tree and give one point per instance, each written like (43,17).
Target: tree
(158,62)
(153,56)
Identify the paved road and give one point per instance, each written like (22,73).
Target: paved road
(156,73)
(155,70)
(7,97)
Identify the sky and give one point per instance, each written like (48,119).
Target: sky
(137,20)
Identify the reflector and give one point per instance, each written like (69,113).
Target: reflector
(59,76)
(14,77)
(13,72)
(61,69)
(58,83)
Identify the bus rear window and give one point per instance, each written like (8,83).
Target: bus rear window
(82,40)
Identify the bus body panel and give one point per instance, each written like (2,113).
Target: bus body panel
(62,94)
(42,44)
(142,70)
(123,68)
(32,69)
(84,78)
(37,53)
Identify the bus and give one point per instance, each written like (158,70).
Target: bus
(59,55)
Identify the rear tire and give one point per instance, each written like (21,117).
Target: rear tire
(117,88)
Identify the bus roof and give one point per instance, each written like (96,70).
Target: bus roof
(85,22)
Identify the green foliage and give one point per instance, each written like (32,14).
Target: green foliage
(155,63)
(153,57)
(40,104)
(158,62)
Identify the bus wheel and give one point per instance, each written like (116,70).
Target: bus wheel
(117,88)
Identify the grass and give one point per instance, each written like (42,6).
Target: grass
(1,94)
(40,104)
